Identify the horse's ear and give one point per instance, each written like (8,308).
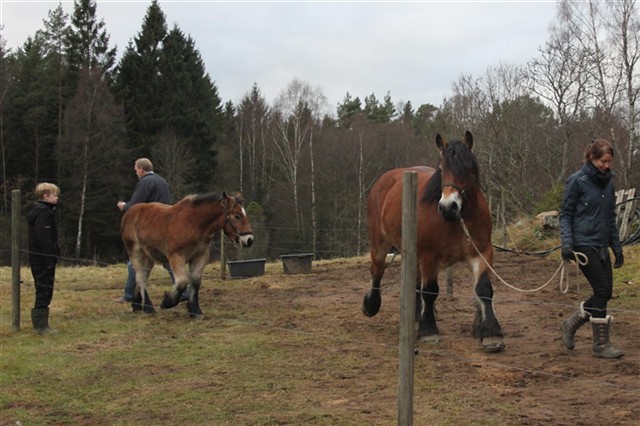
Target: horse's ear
(441,143)
(468,139)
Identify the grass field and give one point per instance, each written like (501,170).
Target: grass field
(272,350)
(108,365)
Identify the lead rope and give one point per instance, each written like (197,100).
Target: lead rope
(581,259)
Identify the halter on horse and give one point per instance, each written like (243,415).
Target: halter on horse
(450,194)
(181,234)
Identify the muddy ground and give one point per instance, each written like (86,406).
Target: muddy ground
(284,349)
(535,380)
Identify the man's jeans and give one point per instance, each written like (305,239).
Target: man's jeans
(130,286)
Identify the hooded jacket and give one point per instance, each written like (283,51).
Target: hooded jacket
(43,235)
(588,215)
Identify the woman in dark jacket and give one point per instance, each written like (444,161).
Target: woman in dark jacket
(588,226)
(43,252)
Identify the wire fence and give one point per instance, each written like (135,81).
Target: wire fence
(630,315)
(333,249)
(330,340)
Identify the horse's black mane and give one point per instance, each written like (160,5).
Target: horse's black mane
(433,191)
(461,162)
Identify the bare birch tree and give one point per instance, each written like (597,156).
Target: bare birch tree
(90,146)
(623,27)
(297,110)
(558,76)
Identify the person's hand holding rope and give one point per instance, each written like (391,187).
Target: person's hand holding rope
(567,253)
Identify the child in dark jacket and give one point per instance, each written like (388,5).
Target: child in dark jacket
(43,252)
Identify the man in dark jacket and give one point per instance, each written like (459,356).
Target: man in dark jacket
(150,188)
(43,252)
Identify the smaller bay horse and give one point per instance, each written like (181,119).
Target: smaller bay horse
(180,234)
(449,198)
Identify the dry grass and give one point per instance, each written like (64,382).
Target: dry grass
(247,362)
(272,350)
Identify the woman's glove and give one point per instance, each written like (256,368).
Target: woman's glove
(567,253)
(619,260)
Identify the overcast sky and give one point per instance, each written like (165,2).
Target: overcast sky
(413,50)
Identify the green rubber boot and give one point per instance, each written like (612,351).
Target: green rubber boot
(40,321)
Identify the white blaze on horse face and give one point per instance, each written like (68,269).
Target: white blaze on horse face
(246,239)
(450,205)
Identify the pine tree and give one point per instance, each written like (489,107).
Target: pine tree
(54,41)
(91,147)
(347,110)
(88,41)
(191,107)
(31,115)
(170,102)
(6,77)
(138,82)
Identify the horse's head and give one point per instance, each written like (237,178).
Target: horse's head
(459,170)
(236,223)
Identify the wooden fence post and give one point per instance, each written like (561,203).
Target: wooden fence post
(407,298)
(223,261)
(15,259)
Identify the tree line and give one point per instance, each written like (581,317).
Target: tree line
(72,115)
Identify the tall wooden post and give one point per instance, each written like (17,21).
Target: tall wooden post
(223,261)
(407,298)
(15,259)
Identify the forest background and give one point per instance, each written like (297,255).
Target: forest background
(73,115)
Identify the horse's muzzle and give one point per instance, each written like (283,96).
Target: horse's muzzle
(246,239)
(449,211)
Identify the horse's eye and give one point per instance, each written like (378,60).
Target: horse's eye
(238,217)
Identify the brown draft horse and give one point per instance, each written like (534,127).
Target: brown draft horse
(180,234)
(446,197)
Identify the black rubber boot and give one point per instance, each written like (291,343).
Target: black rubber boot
(572,324)
(602,347)
(40,321)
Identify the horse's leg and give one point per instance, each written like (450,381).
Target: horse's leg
(373,299)
(486,326)
(428,327)
(419,297)
(193,304)
(172,298)
(141,300)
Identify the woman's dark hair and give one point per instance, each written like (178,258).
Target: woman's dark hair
(598,148)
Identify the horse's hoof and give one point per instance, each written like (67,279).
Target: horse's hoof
(432,338)
(371,303)
(169,302)
(198,317)
(492,344)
